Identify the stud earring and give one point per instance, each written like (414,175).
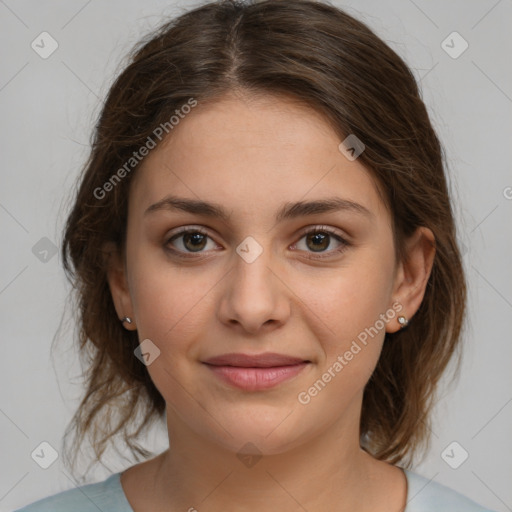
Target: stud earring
(126,319)
(402,321)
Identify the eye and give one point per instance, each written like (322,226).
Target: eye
(319,239)
(191,240)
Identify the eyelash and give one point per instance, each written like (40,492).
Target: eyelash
(315,229)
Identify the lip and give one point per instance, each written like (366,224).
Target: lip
(265,360)
(258,372)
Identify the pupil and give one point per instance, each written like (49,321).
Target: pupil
(319,237)
(196,239)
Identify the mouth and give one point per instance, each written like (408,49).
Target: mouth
(255,372)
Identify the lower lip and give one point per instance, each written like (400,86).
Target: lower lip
(255,379)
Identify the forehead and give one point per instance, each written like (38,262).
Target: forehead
(252,154)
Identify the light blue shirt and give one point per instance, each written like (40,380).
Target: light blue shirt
(423,495)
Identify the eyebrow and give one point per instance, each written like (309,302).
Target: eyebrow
(287,211)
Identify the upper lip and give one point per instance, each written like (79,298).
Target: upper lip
(266,360)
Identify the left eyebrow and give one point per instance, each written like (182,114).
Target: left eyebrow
(287,211)
(333,204)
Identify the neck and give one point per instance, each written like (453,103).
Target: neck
(199,474)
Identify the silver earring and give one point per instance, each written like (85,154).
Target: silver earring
(402,321)
(126,319)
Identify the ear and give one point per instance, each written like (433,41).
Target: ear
(118,283)
(412,274)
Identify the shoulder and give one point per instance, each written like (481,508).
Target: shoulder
(105,495)
(425,495)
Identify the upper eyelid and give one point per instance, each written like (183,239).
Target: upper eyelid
(323,227)
(304,231)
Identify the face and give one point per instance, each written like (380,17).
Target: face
(264,277)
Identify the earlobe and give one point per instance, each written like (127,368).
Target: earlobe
(127,323)
(412,276)
(118,284)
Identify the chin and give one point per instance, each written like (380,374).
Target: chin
(272,436)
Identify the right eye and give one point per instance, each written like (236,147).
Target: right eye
(189,241)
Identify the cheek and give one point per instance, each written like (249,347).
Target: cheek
(169,306)
(346,310)
(163,296)
(351,336)
(350,299)
(166,302)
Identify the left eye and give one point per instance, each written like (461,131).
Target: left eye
(319,239)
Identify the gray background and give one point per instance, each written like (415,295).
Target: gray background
(48,109)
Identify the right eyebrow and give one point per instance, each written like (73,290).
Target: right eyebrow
(193,206)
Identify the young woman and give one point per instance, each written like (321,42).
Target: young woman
(264,253)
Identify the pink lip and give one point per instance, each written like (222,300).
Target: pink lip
(258,372)
(265,360)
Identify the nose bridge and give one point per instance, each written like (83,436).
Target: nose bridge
(253,295)
(253,276)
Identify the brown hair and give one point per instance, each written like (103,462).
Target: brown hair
(326,59)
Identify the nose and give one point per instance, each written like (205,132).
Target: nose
(255,296)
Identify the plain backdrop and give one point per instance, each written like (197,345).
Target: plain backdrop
(48,108)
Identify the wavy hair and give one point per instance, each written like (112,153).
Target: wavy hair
(323,57)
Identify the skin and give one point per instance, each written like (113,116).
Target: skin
(251,154)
